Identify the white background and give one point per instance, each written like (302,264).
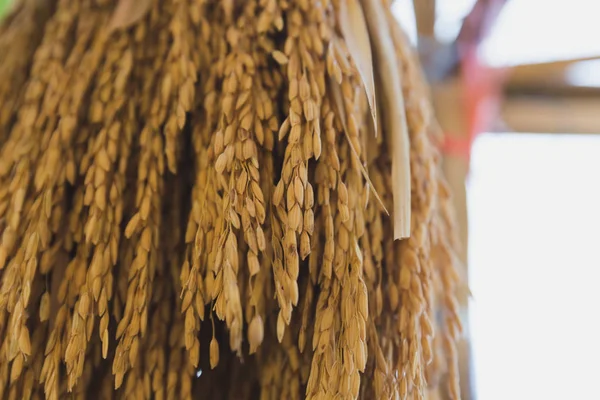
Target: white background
(534,204)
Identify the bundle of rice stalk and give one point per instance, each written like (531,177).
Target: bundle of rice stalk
(221,199)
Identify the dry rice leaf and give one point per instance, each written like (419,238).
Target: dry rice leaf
(395,115)
(339,103)
(127,13)
(356,34)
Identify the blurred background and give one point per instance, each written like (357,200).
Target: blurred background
(516,88)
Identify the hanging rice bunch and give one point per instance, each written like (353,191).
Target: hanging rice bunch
(220,199)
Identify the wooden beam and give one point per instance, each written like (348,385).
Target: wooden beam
(542,74)
(564,114)
(425,16)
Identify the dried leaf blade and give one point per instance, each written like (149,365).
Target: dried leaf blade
(356,34)
(394,123)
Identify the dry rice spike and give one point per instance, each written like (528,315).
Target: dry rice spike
(315,259)
(383,382)
(141,254)
(226,292)
(103,165)
(327,318)
(134,386)
(55,167)
(126,248)
(389,343)
(348,261)
(105,177)
(223,266)
(21,148)
(372,243)
(36,126)
(27,389)
(149,48)
(325,355)
(442,253)
(415,271)
(349,228)
(68,289)
(87,379)
(201,220)
(20,35)
(413,284)
(149,380)
(412,304)
(46,66)
(247,120)
(142,229)
(423,236)
(126,256)
(267,86)
(304,47)
(21,385)
(446,262)
(178,83)
(38,343)
(438,367)
(337,253)
(198,236)
(308,294)
(205,210)
(392,303)
(80,331)
(14,389)
(152,354)
(348,264)
(262,290)
(373,238)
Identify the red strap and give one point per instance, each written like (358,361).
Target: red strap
(481,87)
(457,146)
